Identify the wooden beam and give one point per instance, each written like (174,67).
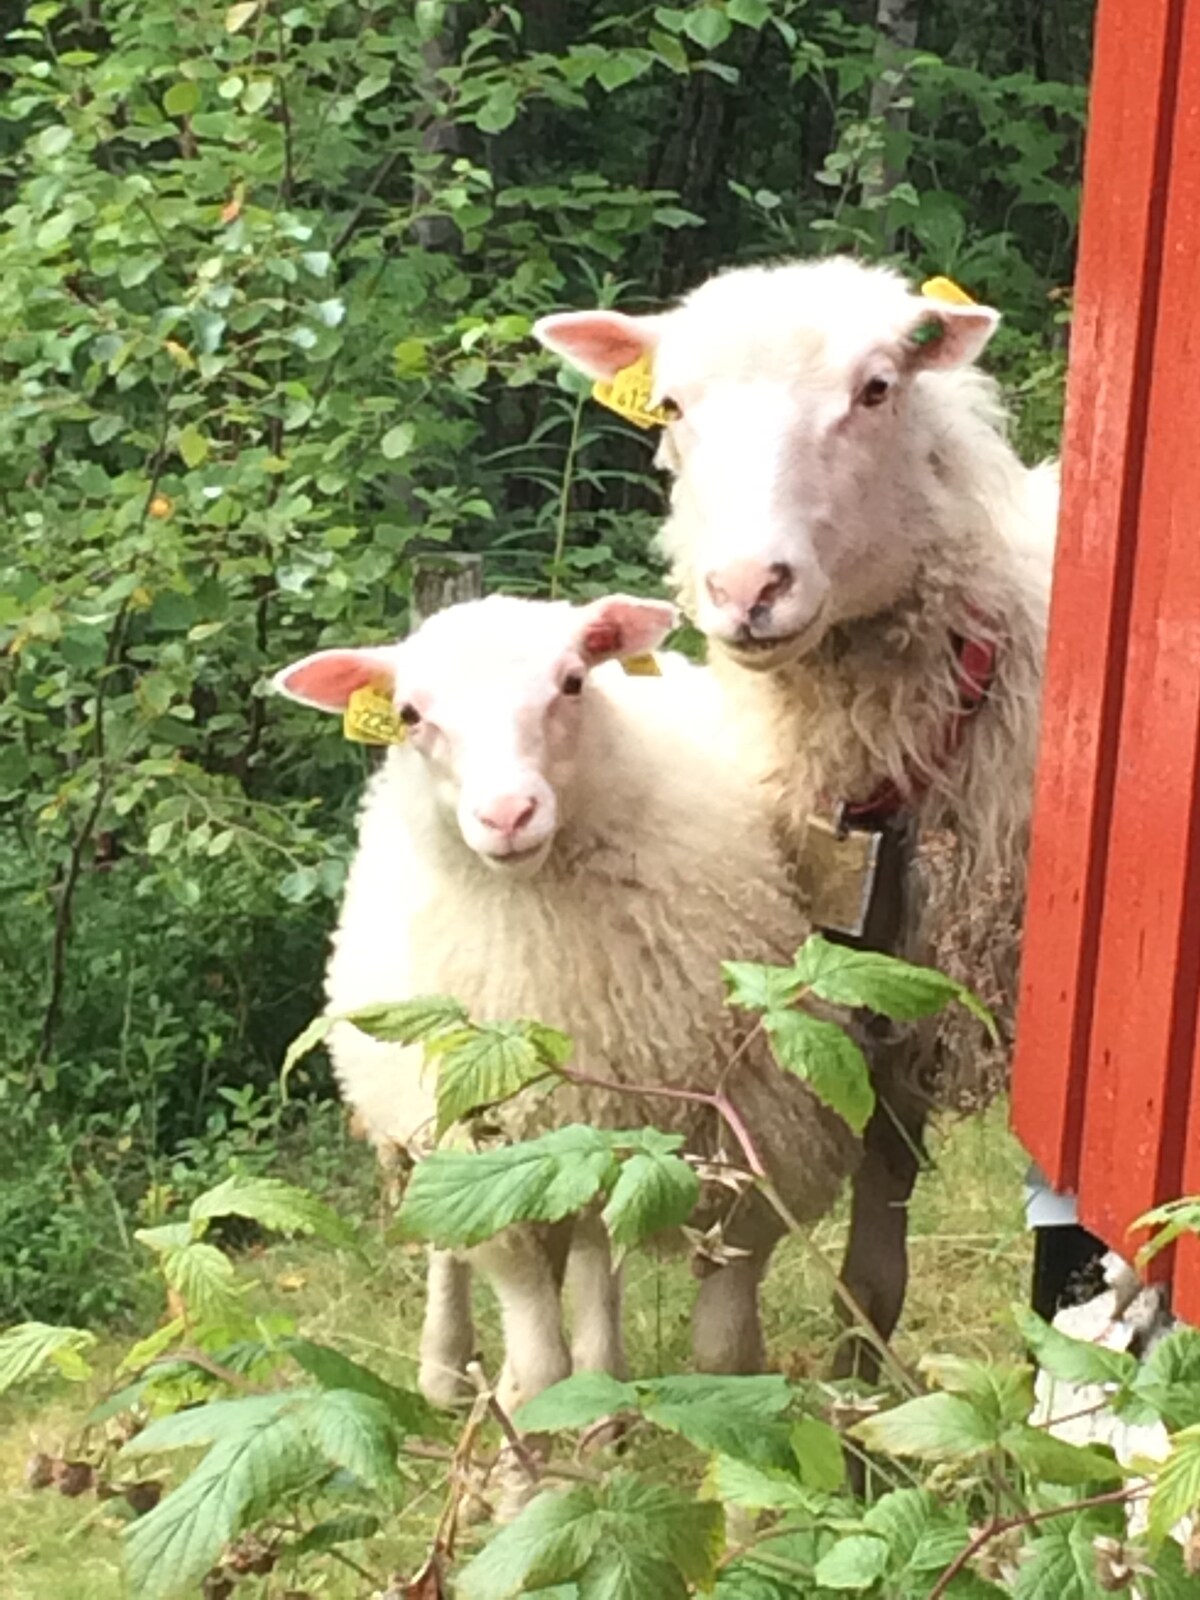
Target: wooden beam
(1112,347)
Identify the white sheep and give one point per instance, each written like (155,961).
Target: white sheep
(871,563)
(572,845)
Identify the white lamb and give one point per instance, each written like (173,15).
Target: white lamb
(871,563)
(572,845)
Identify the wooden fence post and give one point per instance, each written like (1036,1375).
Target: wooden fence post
(445,580)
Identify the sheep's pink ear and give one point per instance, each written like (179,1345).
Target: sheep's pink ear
(942,335)
(328,679)
(599,343)
(622,626)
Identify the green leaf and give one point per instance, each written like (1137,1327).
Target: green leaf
(1059,1563)
(213,1422)
(257,95)
(855,1562)
(1001,1394)
(31,1346)
(576,1402)
(193,446)
(708,25)
(750,13)
(499,110)
(181,99)
(819,1454)
(173,1546)
(827,1059)
(397,441)
(356,1432)
(923,1535)
(316,1033)
(656,1190)
(1176,1485)
(483,1066)
(894,988)
(333,1370)
(1072,1360)
(239,15)
(408,1021)
(623,1572)
(338,1530)
(152,1346)
(740,1483)
(204,1280)
(273,1204)
(936,1427)
(54,140)
(455,1198)
(545,1527)
(738,1416)
(759,988)
(1052,1460)
(1168,1382)
(690,1534)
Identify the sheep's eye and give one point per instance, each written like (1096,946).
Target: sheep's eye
(875,391)
(671,409)
(573,683)
(409,716)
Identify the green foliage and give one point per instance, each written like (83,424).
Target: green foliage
(821,1052)
(213,461)
(31,1346)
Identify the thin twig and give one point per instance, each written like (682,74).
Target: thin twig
(729,1113)
(215,1369)
(519,1449)
(996,1527)
(564,499)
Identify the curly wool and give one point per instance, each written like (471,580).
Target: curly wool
(873,700)
(663,866)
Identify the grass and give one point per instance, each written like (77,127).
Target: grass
(969,1263)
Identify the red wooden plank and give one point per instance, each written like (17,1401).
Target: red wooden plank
(1148,972)
(1111,342)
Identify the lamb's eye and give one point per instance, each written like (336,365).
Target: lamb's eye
(671,409)
(573,683)
(409,716)
(875,391)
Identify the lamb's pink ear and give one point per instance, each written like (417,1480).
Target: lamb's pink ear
(328,679)
(942,335)
(622,626)
(599,343)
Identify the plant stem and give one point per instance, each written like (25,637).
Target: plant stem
(720,1102)
(564,499)
(1000,1525)
(528,1465)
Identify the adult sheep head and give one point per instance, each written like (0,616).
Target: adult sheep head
(802,433)
(492,695)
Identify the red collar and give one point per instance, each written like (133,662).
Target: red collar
(975,663)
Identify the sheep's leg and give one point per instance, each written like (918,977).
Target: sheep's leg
(875,1268)
(448,1333)
(727,1334)
(594,1287)
(525,1267)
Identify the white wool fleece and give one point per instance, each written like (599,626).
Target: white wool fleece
(663,866)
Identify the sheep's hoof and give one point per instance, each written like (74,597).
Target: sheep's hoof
(445,1388)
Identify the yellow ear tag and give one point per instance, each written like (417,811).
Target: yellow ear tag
(370,718)
(944,289)
(641,666)
(628,394)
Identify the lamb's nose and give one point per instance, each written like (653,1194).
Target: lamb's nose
(508,814)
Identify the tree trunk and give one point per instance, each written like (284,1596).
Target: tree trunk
(896,30)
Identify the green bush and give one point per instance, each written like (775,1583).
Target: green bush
(267,275)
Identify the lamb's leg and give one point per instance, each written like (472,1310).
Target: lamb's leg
(594,1287)
(727,1332)
(525,1268)
(448,1333)
(875,1267)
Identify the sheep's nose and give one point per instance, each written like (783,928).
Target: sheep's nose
(749,589)
(508,814)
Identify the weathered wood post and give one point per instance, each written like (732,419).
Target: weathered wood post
(444,580)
